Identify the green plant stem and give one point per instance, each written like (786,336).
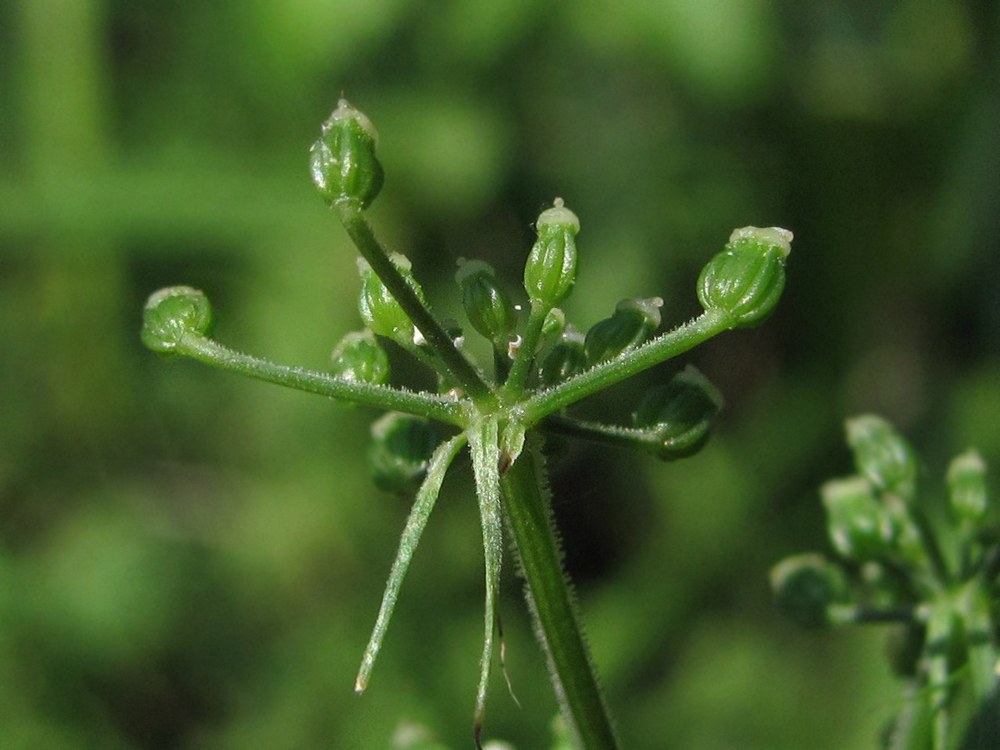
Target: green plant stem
(526,501)
(519,370)
(382,397)
(372,251)
(606,374)
(607,434)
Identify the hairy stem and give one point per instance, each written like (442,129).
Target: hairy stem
(372,251)
(526,501)
(427,405)
(599,377)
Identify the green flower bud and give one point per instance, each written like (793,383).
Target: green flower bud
(564,360)
(967,487)
(400,449)
(359,358)
(551,268)
(380,311)
(859,527)
(746,279)
(487,305)
(882,456)
(805,586)
(172,313)
(680,412)
(343,162)
(632,323)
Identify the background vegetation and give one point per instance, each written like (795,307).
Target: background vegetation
(192,561)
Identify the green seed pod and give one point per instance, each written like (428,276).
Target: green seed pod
(343,162)
(551,267)
(746,279)
(400,449)
(487,305)
(968,495)
(882,456)
(379,309)
(859,527)
(680,412)
(172,313)
(632,323)
(359,358)
(805,586)
(564,360)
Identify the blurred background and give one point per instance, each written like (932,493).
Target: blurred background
(190,560)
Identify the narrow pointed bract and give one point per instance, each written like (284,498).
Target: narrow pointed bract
(421,511)
(484,444)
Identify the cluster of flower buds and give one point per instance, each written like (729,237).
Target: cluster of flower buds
(342,162)
(930,570)
(359,358)
(380,311)
(542,365)
(173,313)
(400,450)
(745,280)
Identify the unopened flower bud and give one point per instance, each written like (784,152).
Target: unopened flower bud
(359,358)
(882,455)
(968,495)
(564,360)
(859,527)
(380,311)
(805,586)
(343,162)
(487,305)
(551,268)
(746,279)
(172,313)
(632,323)
(680,412)
(400,449)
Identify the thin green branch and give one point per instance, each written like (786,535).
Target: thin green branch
(601,376)
(427,405)
(608,434)
(437,467)
(372,251)
(550,600)
(525,354)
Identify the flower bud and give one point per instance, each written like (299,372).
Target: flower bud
(400,449)
(380,311)
(632,323)
(680,412)
(882,456)
(746,279)
(359,358)
(968,495)
(487,305)
(859,527)
(172,313)
(805,586)
(343,162)
(564,360)
(551,268)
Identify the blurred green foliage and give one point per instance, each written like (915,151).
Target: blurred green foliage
(187,560)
